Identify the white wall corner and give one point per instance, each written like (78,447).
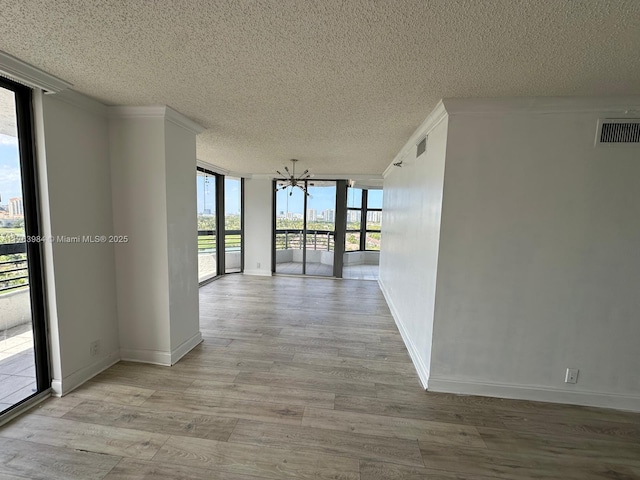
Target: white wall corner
(416,358)
(155,357)
(69,383)
(437,115)
(188,345)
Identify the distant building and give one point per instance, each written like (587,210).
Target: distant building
(329,215)
(312,215)
(374,217)
(16,209)
(353,216)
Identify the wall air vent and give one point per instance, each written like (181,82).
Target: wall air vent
(619,131)
(421,147)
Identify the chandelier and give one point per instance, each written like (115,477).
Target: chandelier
(290,179)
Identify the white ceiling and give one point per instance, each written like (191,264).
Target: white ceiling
(339,84)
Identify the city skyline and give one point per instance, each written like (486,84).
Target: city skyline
(288,200)
(320,199)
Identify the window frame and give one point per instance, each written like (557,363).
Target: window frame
(220,224)
(23,96)
(363,230)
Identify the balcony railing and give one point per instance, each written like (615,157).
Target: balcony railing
(14,273)
(208,241)
(287,239)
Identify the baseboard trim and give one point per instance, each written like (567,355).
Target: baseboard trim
(155,357)
(69,383)
(160,357)
(418,363)
(535,393)
(258,273)
(185,348)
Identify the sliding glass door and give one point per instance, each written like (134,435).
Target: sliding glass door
(220,224)
(320,228)
(207,226)
(24,368)
(233,225)
(305,228)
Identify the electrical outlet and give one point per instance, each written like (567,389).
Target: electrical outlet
(94,347)
(258,265)
(571,376)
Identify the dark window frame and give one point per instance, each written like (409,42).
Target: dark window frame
(363,230)
(220,226)
(32,225)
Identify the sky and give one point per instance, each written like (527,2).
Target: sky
(321,198)
(9,169)
(207,194)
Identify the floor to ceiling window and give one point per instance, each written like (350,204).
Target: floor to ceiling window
(363,233)
(233,226)
(305,228)
(24,368)
(220,224)
(207,228)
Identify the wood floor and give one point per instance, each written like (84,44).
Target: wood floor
(304,378)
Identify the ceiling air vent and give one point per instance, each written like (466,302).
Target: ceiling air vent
(421,147)
(619,131)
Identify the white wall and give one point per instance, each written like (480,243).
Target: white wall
(140,212)
(154,196)
(539,262)
(258,219)
(73,149)
(182,235)
(409,255)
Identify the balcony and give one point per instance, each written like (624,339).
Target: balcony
(17,371)
(320,255)
(207,248)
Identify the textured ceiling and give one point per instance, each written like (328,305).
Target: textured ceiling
(7,114)
(339,84)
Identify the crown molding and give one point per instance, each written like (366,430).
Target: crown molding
(155,111)
(211,167)
(81,101)
(183,121)
(433,119)
(626,105)
(21,72)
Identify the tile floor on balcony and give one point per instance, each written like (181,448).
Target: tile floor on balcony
(295,268)
(360,272)
(353,272)
(17,367)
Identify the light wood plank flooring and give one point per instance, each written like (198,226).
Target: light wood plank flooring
(305,378)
